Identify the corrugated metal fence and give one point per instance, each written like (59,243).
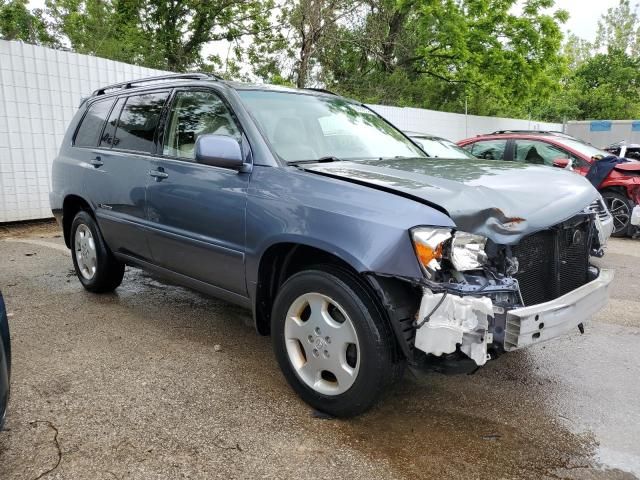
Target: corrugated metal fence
(455,126)
(40,90)
(603,133)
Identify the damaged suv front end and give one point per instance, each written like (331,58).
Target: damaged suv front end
(481,298)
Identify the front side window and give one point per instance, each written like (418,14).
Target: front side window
(138,122)
(538,153)
(303,127)
(92,123)
(489,149)
(196,113)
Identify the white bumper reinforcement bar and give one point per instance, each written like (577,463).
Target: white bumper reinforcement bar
(538,323)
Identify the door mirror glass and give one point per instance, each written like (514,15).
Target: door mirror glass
(219,151)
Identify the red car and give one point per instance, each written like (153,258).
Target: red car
(620,189)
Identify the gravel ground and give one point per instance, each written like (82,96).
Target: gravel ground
(155,381)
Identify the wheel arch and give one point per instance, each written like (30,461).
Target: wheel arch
(397,299)
(71,205)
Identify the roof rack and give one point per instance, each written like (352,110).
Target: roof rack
(321,90)
(159,78)
(549,132)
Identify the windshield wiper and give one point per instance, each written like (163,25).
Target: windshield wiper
(327,159)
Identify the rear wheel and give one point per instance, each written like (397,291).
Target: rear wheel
(331,341)
(96,267)
(620,207)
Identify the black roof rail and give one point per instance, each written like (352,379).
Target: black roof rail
(321,90)
(498,132)
(159,78)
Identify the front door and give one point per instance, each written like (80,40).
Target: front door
(119,172)
(197,212)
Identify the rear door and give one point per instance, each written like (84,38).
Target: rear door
(119,171)
(198,211)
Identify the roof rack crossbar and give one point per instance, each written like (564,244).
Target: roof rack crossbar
(175,76)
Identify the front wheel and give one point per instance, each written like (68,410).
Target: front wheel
(332,343)
(96,267)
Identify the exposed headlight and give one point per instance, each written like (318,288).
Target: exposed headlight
(464,250)
(429,244)
(467,251)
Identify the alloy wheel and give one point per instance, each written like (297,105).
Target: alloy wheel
(620,213)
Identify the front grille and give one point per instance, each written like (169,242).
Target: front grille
(553,262)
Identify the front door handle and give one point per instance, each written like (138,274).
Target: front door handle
(159,174)
(96,162)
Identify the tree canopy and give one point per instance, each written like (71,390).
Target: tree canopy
(491,57)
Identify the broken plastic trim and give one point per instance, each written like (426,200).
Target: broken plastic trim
(450,321)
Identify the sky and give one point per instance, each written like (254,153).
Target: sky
(584,15)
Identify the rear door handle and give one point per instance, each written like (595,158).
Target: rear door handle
(96,162)
(158,174)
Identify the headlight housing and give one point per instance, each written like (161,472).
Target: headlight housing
(465,251)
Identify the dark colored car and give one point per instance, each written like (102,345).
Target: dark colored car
(620,189)
(355,251)
(5,361)
(438,147)
(625,150)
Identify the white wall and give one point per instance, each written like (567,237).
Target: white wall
(40,90)
(455,126)
(620,130)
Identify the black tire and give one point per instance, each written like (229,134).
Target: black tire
(108,270)
(620,207)
(379,366)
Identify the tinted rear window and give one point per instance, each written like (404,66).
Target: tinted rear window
(138,122)
(92,123)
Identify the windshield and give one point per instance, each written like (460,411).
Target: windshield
(582,148)
(439,147)
(309,127)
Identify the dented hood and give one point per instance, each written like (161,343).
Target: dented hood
(501,200)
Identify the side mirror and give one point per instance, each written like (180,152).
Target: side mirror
(561,162)
(219,151)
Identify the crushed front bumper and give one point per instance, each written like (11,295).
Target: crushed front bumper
(449,322)
(538,323)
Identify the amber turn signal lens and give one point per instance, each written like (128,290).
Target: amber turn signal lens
(426,253)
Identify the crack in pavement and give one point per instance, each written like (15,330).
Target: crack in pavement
(55,439)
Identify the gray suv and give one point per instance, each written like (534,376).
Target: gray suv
(354,250)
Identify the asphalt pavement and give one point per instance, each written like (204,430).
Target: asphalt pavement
(158,382)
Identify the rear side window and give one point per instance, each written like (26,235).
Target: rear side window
(107,139)
(92,123)
(138,122)
(489,149)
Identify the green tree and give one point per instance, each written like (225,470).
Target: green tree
(439,53)
(17,22)
(608,86)
(619,29)
(165,34)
